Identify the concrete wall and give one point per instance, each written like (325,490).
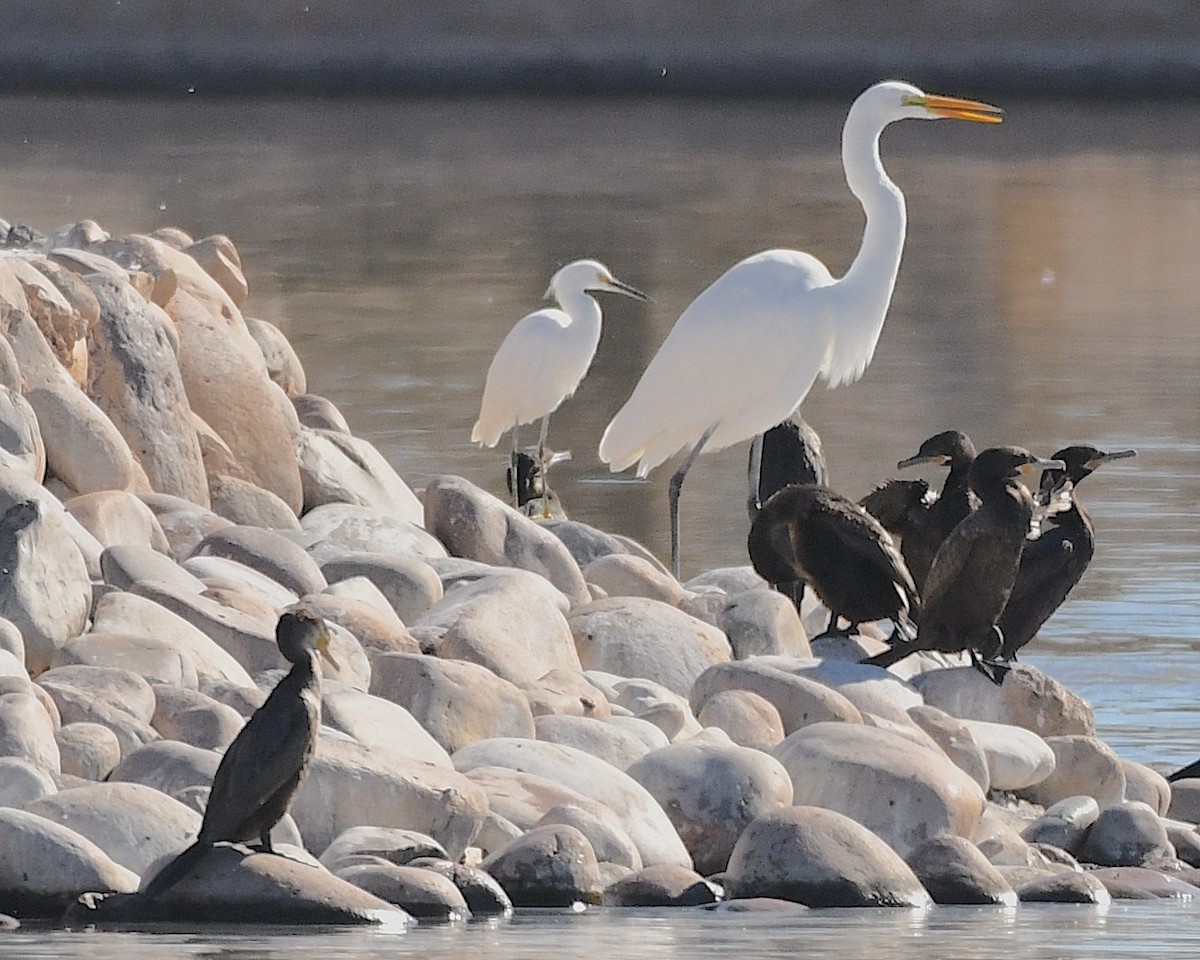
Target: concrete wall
(731,47)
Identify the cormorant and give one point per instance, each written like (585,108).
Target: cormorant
(1052,564)
(530,492)
(789,453)
(973,572)
(921,522)
(809,533)
(269,759)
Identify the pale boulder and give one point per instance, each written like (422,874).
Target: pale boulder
(27,731)
(1149,786)
(169,766)
(657,705)
(118,517)
(956,740)
(242,502)
(319,413)
(611,744)
(218,257)
(283,366)
(1016,757)
(1064,824)
(336,467)
(378,630)
(192,717)
(603,829)
(419,893)
(380,725)
(392,844)
(761,622)
(750,720)
(340,528)
(1082,766)
(550,866)
(23,782)
(184,523)
(800,701)
(159,661)
(21,447)
(83,449)
(624,575)
(410,585)
(901,792)
(270,553)
(565,692)
(870,689)
(87,750)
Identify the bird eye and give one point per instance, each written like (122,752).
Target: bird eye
(912,100)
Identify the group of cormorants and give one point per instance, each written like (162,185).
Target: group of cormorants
(979,568)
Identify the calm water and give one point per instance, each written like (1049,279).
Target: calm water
(1047,296)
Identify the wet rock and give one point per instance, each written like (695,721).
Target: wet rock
(1186,842)
(1028,698)
(158,661)
(762,622)
(711,792)
(821,859)
(667,885)
(23,782)
(27,731)
(45,590)
(283,366)
(409,584)
(474,524)
(1126,835)
(44,866)
(603,829)
(901,792)
(336,467)
(192,717)
(954,871)
(645,821)
(1064,824)
(750,720)
(87,750)
(1138,883)
(611,744)
(1016,758)
(421,893)
(380,725)
(118,517)
(134,378)
(132,823)
(1147,785)
(350,786)
(956,740)
(624,575)
(1084,766)
(551,866)
(637,637)
(800,701)
(393,844)
(510,623)
(242,502)
(350,528)
(742,905)
(21,447)
(457,702)
(268,552)
(484,896)
(1064,888)
(565,692)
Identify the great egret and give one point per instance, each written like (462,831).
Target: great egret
(746,351)
(1052,564)
(924,524)
(271,756)
(809,533)
(545,356)
(974,570)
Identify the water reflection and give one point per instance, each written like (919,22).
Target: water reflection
(1047,294)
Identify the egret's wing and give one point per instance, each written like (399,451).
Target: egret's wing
(517,380)
(739,360)
(860,318)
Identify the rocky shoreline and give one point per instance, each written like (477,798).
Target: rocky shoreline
(524,713)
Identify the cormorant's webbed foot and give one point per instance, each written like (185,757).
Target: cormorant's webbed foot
(994,670)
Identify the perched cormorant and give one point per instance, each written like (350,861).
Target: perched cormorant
(1052,564)
(809,533)
(974,569)
(530,493)
(1189,772)
(922,522)
(789,453)
(269,759)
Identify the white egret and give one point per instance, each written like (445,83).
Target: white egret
(545,356)
(746,351)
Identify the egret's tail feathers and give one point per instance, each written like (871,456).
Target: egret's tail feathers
(487,434)
(176,870)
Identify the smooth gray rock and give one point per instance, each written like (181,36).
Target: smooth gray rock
(393,844)
(762,622)
(956,740)
(1064,888)
(600,739)
(550,866)
(192,717)
(1127,834)
(168,766)
(269,553)
(348,528)
(800,701)
(954,871)
(44,866)
(1185,799)
(1138,883)
(603,829)
(21,447)
(410,585)
(1186,842)
(711,793)
(27,731)
(134,377)
(456,702)
(870,689)
(667,885)
(87,750)
(586,544)
(474,524)
(484,896)
(319,413)
(283,366)
(45,589)
(750,720)
(1083,766)
(336,467)
(23,782)
(638,637)
(422,893)
(1064,824)
(821,859)
(1149,786)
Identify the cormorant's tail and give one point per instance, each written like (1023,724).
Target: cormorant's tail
(176,870)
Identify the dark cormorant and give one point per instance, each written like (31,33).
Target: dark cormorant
(922,523)
(790,453)
(269,759)
(1052,564)
(973,572)
(532,496)
(809,533)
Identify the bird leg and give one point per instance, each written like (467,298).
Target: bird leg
(673,491)
(753,500)
(516,490)
(544,463)
(264,842)
(992,669)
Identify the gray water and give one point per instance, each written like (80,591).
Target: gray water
(1048,295)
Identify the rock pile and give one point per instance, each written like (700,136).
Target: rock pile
(523,713)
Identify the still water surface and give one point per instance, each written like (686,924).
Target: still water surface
(1048,295)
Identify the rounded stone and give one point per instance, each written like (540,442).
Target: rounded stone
(157,660)
(820,858)
(192,717)
(484,896)
(624,575)
(27,731)
(393,844)
(800,701)
(550,866)
(1185,800)
(118,517)
(1082,766)
(1016,757)
(1127,834)
(339,529)
(1064,888)
(23,782)
(1064,824)
(421,893)
(123,689)
(88,750)
(168,766)
(268,552)
(762,622)
(750,720)
(956,741)
(600,739)
(1139,883)
(954,871)
(667,885)
(1149,786)
(242,502)
(380,725)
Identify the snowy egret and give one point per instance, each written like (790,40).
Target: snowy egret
(927,523)
(1052,564)
(746,351)
(545,356)
(808,533)
(973,573)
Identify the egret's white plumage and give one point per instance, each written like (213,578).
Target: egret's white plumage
(546,354)
(746,351)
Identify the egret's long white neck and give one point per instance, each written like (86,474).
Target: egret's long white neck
(583,310)
(872,276)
